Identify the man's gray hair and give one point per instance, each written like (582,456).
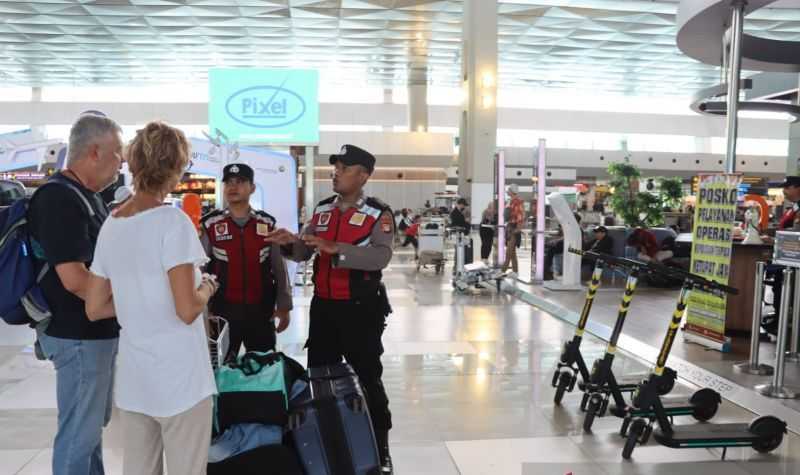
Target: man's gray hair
(85,131)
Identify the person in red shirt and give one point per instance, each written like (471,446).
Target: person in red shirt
(647,245)
(411,233)
(515,214)
(791,192)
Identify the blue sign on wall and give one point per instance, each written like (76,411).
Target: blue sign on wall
(265,105)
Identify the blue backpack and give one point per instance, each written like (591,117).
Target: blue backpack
(21,298)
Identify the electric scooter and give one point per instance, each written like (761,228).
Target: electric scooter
(603,385)
(764,434)
(571,363)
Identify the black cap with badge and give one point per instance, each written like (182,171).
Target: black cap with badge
(352,155)
(239,170)
(790,181)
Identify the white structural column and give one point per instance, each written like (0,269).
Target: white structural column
(793,159)
(478,124)
(37,127)
(418,98)
(388,98)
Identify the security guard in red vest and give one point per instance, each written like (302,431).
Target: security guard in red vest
(774,272)
(254,286)
(351,236)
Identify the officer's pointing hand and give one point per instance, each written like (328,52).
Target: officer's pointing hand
(328,247)
(281,237)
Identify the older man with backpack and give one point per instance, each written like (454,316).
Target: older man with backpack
(46,247)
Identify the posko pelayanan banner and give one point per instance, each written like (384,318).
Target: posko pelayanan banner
(712,243)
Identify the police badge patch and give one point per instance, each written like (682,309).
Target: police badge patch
(323,219)
(221,229)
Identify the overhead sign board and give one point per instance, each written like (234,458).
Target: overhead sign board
(275,106)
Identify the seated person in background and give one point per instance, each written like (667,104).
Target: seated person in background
(555,247)
(602,242)
(647,247)
(411,233)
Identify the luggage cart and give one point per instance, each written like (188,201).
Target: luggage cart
(218,339)
(431,244)
(475,274)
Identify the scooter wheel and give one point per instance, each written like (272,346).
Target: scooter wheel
(572,382)
(767,446)
(584,401)
(626,423)
(770,431)
(648,431)
(706,402)
(563,384)
(595,401)
(603,407)
(667,382)
(636,429)
(556,374)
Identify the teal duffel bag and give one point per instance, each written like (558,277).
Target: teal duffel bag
(254,389)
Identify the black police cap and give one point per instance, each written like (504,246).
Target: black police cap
(352,155)
(790,181)
(239,170)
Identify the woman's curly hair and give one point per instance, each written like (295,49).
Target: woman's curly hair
(156,156)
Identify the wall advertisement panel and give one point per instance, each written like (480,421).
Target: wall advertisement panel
(711,256)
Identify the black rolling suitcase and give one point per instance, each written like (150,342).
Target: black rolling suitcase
(330,425)
(468,259)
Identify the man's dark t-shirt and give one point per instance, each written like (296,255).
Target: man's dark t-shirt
(64,231)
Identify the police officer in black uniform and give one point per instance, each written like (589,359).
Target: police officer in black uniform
(351,237)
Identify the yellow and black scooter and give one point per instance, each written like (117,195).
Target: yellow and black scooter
(571,363)
(764,434)
(603,386)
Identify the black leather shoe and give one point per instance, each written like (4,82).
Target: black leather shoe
(382,438)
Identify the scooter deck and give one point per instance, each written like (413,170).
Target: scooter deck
(707,435)
(624,388)
(671,408)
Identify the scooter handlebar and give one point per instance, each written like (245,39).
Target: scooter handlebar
(687,277)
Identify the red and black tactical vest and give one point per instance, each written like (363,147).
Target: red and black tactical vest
(352,226)
(241,259)
(787,220)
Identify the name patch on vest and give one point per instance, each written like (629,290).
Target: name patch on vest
(323,219)
(357,219)
(262,229)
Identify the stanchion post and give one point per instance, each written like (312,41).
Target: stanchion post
(793,354)
(752,366)
(776,389)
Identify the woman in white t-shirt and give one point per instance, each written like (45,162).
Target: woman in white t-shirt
(148,257)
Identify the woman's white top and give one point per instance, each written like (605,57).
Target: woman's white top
(163,365)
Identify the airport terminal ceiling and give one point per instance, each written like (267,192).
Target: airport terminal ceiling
(611,46)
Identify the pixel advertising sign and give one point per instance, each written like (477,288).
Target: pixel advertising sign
(275,106)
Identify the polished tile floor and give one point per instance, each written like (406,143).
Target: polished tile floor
(469,381)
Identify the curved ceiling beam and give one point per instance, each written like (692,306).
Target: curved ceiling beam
(721,108)
(702,24)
